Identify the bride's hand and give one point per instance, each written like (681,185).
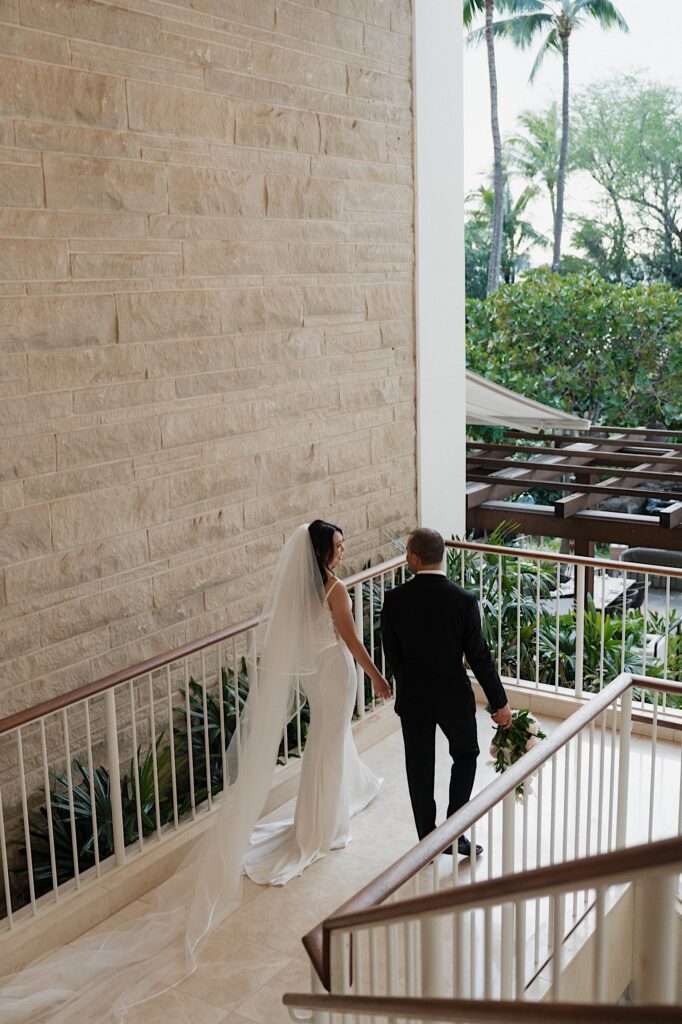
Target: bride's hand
(381,687)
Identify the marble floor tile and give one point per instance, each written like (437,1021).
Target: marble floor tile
(265,1006)
(231,969)
(176,1007)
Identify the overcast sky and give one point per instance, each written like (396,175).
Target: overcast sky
(653,46)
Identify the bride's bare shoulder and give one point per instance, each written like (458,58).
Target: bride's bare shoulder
(335,591)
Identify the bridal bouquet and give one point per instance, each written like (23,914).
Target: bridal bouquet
(509,745)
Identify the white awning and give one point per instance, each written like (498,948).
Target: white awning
(491,405)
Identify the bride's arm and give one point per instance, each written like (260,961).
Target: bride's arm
(342,613)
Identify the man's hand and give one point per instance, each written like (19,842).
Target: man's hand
(503,717)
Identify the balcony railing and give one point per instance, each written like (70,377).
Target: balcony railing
(93,778)
(414,935)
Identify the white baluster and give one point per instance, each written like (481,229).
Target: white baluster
(623,766)
(114,777)
(48,809)
(171,744)
(579,628)
(507,943)
(656,953)
(5,868)
(359,629)
(599,969)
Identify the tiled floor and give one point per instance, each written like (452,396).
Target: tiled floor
(256,955)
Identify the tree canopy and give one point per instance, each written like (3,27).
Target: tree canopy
(609,352)
(628,137)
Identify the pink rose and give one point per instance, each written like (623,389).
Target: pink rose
(494,751)
(531,742)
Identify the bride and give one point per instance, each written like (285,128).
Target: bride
(309,645)
(334,782)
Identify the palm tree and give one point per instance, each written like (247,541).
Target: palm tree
(535,154)
(519,235)
(555,21)
(471,9)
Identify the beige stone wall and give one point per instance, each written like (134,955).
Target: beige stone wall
(206,312)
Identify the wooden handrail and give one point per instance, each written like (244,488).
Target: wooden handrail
(483,1011)
(556,556)
(65,700)
(411,863)
(615,867)
(98,686)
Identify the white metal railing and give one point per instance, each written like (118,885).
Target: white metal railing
(469,943)
(570,624)
(162,727)
(367,950)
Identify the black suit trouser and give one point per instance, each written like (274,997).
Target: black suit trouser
(419,737)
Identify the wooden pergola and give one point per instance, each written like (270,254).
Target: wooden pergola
(588,469)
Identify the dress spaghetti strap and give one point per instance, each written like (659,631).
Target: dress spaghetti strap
(328,592)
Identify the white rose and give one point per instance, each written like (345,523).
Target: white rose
(494,750)
(533,728)
(507,756)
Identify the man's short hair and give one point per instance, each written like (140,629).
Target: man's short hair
(427,545)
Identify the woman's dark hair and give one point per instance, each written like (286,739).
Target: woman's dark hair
(322,537)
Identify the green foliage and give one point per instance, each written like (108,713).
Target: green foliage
(628,137)
(476,257)
(576,342)
(203,727)
(84,817)
(535,154)
(518,234)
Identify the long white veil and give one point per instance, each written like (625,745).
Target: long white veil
(99,977)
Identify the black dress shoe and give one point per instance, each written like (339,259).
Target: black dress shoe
(464,847)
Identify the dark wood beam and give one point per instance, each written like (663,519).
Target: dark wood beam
(671,516)
(612,458)
(516,480)
(602,527)
(646,431)
(565,507)
(484,462)
(621,442)
(577,488)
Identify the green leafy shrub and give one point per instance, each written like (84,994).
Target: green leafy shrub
(609,352)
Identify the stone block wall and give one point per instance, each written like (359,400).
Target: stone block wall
(206,313)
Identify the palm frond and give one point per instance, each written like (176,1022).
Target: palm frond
(551,44)
(524,29)
(603,11)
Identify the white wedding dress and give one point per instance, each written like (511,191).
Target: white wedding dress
(99,977)
(334,783)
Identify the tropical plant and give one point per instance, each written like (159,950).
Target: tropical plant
(471,10)
(86,813)
(206,730)
(555,21)
(535,154)
(519,235)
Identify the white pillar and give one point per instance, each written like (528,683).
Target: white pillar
(441,468)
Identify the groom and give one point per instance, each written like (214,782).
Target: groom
(428,625)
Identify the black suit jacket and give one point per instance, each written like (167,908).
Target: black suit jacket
(428,625)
